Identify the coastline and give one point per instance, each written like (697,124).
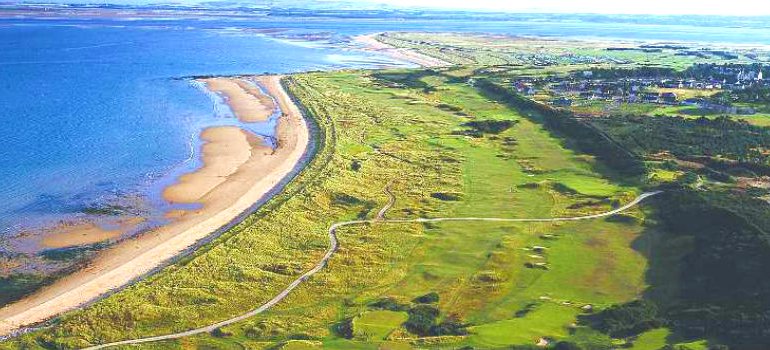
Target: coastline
(239,173)
(226,149)
(370,43)
(248,103)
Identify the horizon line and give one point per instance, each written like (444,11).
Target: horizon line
(212,5)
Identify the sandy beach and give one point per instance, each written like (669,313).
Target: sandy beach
(225,150)
(247,101)
(238,171)
(372,44)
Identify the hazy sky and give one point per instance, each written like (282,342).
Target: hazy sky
(673,7)
(709,7)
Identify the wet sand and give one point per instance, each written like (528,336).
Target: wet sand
(78,234)
(411,56)
(232,183)
(72,234)
(247,101)
(225,150)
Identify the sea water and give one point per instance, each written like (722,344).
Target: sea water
(93,113)
(101,111)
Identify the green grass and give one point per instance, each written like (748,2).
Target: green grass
(652,340)
(664,175)
(758,119)
(377,325)
(547,320)
(477,268)
(487,50)
(694,345)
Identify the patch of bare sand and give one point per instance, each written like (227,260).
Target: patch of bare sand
(370,43)
(224,202)
(247,101)
(225,150)
(71,234)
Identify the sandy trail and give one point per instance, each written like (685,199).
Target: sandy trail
(370,43)
(237,173)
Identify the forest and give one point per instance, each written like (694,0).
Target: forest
(720,139)
(722,290)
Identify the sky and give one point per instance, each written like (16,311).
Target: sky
(657,7)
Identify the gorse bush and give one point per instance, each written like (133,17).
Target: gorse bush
(626,319)
(422,318)
(430,298)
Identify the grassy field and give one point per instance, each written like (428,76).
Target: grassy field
(495,50)
(506,284)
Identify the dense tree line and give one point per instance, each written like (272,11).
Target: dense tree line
(711,71)
(625,320)
(723,287)
(720,140)
(638,73)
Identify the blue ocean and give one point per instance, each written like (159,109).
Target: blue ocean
(94,112)
(97,113)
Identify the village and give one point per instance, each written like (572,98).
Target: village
(693,87)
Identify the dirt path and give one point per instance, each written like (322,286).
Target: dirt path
(334,246)
(391,202)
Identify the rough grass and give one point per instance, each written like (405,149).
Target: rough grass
(651,340)
(377,325)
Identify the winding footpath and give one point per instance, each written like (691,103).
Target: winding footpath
(334,246)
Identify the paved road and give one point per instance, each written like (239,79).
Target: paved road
(334,246)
